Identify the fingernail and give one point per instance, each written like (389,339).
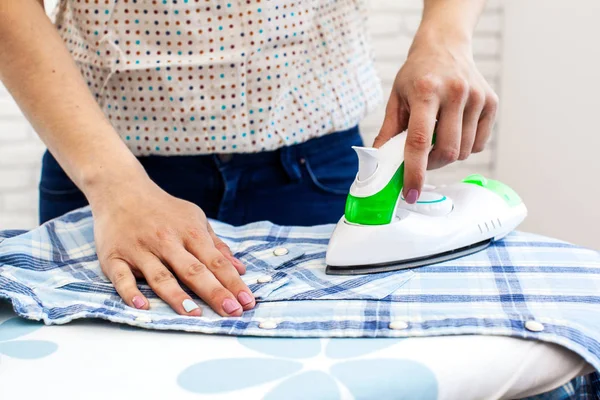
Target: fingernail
(244,298)
(138,302)
(230,306)
(189,305)
(412,196)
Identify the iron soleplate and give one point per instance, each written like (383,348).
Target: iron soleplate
(405,264)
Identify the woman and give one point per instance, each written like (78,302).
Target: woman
(162,113)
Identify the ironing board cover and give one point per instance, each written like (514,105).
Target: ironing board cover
(525,286)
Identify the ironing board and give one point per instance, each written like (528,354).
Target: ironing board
(349,338)
(100,360)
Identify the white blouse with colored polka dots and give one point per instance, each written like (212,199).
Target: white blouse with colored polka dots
(222,76)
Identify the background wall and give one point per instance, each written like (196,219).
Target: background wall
(549,144)
(392,25)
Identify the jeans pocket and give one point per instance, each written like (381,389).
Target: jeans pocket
(334,175)
(329,162)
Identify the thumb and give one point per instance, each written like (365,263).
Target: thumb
(394,122)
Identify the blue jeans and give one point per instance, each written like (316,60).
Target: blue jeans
(304,184)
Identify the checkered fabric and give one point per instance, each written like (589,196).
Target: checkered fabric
(52,274)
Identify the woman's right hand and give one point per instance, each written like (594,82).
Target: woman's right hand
(145,232)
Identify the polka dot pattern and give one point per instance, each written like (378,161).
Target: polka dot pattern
(222,76)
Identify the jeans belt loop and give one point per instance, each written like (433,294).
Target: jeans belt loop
(290,163)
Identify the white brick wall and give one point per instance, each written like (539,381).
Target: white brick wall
(392,24)
(20,154)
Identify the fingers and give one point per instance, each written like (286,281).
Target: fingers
(395,121)
(471,117)
(200,279)
(119,273)
(164,284)
(215,279)
(223,270)
(486,122)
(226,251)
(449,126)
(421,124)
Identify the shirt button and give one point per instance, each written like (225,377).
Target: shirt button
(534,326)
(143,318)
(398,325)
(264,279)
(280,251)
(267,325)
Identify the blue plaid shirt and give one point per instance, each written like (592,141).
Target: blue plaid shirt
(52,274)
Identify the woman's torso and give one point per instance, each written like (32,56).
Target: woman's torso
(222,76)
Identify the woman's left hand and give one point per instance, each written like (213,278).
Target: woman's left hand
(438,83)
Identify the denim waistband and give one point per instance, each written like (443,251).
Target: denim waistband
(323,146)
(290,157)
(311,147)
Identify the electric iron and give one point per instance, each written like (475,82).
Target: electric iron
(380,232)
